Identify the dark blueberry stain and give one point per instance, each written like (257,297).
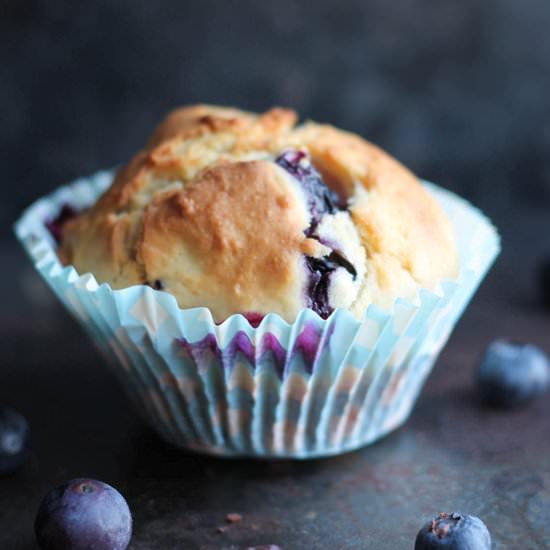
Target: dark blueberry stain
(320,270)
(321,201)
(158,284)
(55,225)
(254,318)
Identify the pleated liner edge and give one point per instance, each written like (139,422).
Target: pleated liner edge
(307,389)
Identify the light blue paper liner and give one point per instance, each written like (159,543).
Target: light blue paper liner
(307,389)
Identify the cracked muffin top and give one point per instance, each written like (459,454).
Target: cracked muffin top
(247,213)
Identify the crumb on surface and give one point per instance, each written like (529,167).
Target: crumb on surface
(233,518)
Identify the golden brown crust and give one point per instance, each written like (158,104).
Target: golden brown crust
(396,217)
(205,210)
(231,255)
(191,138)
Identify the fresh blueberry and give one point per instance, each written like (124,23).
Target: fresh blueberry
(512,374)
(543,275)
(14,440)
(83,514)
(321,199)
(55,225)
(453,532)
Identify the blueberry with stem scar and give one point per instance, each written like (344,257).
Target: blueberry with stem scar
(453,532)
(83,514)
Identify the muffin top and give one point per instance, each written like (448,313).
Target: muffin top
(247,213)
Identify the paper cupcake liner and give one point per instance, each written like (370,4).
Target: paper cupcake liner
(311,388)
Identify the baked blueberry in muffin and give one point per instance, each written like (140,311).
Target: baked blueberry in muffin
(247,213)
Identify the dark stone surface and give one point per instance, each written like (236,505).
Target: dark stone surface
(452,455)
(457,89)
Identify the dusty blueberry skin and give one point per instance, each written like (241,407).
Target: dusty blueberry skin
(512,374)
(453,532)
(543,279)
(83,514)
(14,440)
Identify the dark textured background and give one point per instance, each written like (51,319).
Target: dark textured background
(457,89)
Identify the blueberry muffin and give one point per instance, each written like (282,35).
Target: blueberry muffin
(247,213)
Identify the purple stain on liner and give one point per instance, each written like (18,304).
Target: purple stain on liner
(207,347)
(271,346)
(307,344)
(55,225)
(200,349)
(240,343)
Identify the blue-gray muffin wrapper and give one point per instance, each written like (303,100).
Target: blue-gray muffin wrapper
(311,388)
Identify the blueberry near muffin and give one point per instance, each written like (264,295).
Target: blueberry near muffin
(252,214)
